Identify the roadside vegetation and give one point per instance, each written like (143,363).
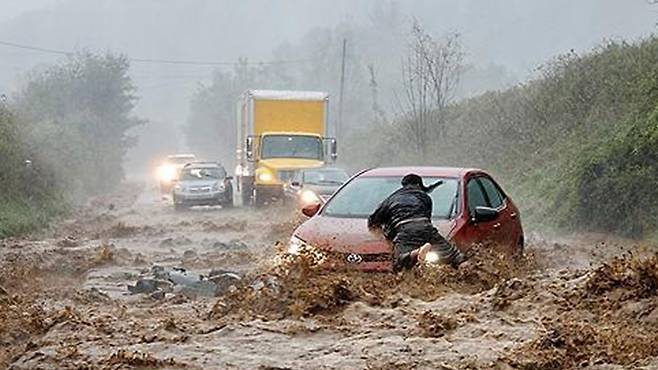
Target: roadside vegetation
(577,146)
(63,138)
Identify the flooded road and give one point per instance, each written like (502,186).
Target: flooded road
(65,302)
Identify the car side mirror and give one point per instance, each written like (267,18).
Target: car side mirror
(334,150)
(311,210)
(296,184)
(229,178)
(250,148)
(484,214)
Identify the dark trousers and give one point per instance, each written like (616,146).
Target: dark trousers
(414,235)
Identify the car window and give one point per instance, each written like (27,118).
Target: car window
(360,197)
(475,196)
(494,195)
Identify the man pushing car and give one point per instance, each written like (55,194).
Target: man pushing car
(405,218)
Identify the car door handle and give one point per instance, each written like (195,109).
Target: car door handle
(513,215)
(496,225)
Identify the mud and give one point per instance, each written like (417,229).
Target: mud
(581,301)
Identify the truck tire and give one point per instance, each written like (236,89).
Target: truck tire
(259,199)
(246,192)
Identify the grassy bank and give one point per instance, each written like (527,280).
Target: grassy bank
(20,216)
(577,148)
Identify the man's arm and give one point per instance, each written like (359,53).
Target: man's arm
(376,219)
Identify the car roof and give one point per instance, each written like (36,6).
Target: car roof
(419,170)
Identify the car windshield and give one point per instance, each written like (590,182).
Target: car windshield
(202,173)
(325,177)
(291,146)
(360,197)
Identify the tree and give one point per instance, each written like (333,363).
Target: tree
(430,75)
(75,117)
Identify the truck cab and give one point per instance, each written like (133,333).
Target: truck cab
(279,133)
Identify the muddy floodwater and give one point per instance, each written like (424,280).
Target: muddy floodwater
(209,290)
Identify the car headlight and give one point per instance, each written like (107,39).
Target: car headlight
(432,257)
(298,248)
(178,188)
(218,186)
(309,197)
(296,245)
(166,173)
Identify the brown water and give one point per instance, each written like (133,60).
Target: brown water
(573,302)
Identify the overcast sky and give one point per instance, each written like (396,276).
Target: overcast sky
(517,34)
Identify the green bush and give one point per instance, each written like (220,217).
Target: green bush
(577,148)
(71,121)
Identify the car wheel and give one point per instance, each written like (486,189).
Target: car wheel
(228,202)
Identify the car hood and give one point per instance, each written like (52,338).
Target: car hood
(350,235)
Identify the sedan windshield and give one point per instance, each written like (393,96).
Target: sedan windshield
(360,197)
(203,174)
(291,146)
(325,177)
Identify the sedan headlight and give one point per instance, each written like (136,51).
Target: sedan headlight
(309,197)
(296,245)
(166,173)
(299,248)
(432,257)
(218,186)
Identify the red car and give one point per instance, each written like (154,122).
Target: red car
(468,208)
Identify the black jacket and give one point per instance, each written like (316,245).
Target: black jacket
(406,203)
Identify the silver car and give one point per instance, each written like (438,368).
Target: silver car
(201,184)
(314,185)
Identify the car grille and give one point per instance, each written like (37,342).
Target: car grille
(204,189)
(355,258)
(285,175)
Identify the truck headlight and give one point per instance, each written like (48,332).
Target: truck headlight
(309,197)
(265,176)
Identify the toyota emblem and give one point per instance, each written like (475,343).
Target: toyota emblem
(354,258)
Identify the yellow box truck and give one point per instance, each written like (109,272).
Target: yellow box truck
(279,132)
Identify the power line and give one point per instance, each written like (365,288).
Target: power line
(156,61)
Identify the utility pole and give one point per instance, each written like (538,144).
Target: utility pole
(341,95)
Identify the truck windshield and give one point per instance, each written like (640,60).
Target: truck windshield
(291,146)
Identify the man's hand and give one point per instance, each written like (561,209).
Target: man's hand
(422,252)
(375,230)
